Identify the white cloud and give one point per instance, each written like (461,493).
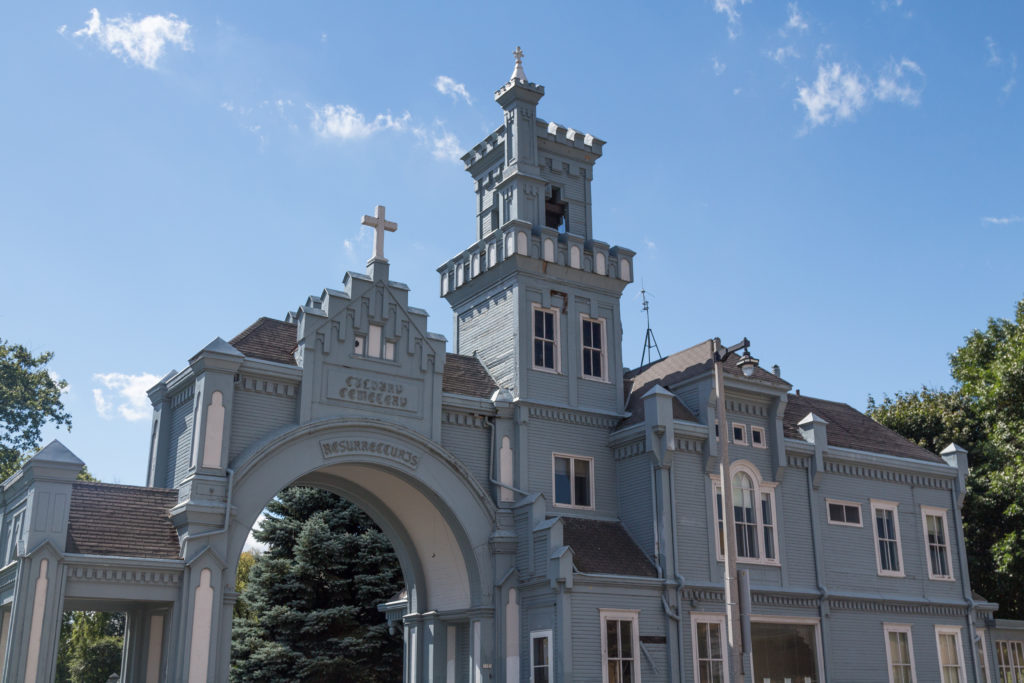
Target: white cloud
(993,55)
(783,53)
(362,238)
(650,244)
(124,393)
(717,66)
(795,20)
(139,41)
(893,86)
(250,541)
(728,8)
(446,147)
(1008,87)
(834,95)
(56,380)
(343,122)
(449,86)
(1002,220)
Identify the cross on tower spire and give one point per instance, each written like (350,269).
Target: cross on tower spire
(380,225)
(518,74)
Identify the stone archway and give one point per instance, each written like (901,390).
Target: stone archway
(439,520)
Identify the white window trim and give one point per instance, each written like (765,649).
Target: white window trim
(850,503)
(764,437)
(954,631)
(709,618)
(762,487)
(926,511)
(557,324)
(813,621)
(983,665)
(887,505)
(732,433)
(572,471)
(551,660)
(899,628)
(604,349)
(620,615)
(1013,649)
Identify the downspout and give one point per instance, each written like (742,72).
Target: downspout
(818,571)
(965,583)
(680,580)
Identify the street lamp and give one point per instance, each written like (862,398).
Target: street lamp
(746,364)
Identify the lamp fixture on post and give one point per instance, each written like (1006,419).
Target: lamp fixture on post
(746,364)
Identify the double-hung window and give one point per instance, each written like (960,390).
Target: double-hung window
(545,339)
(951,654)
(540,657)
(573,480)
(709,660)
(888,551)
(593,361)
(620,646)
(936,541)
(753,503)
(1010,660)
(899,653)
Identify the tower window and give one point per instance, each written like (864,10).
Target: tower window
(593,348)
(555,210)
(545,339)
(573,482)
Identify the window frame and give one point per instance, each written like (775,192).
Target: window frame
(799,621)
(548,635)
(894,508)
(732,433)
(888,628)
(1015,666)
(632,616)
(15,530)
(764,436)
(942,513)
(844,503)
(718,619)
(556,326)
(603,350)
(981,653)
(762,488)
(945,630)
(572,478)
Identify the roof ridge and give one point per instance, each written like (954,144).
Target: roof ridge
(122,486)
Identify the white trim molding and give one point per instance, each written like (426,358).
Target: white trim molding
(944,632)
(765,492)
(573,459)
(549,662)
(943,551)
(891,507)
(620,615)
(904,629)
(556,325)
(829,502)
(715,619)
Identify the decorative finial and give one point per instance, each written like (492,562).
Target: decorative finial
(518,74)
(380,225)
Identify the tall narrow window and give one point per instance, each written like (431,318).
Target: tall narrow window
(619,647)
(767,526)
(545,340)
(709,660)
(899,652)
(981,651)
(888,553)
(743,498)
(573,481)
(951,658)
(593,348)
(754,513)
(937,543)
(540,657)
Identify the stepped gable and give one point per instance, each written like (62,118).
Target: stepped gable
(467,376)
(268,339)
(850,428)
(274,340)
(679,367)
(601,547)
(118,520)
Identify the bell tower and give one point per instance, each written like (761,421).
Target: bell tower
(536,297)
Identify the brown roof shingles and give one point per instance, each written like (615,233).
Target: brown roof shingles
(127,521)
(268,339)
(601,547)
(466,375)
(850,428)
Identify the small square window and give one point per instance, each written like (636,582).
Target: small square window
(739,433)
(758,437)
(573,481)
(843,513)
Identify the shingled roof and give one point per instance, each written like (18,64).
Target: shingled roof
(601,547)
(127,521)
(275,340)
(692,362)
(850,428)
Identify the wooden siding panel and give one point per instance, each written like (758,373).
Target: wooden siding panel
(472,446)
(182,418)
(547,437)
(635,505)
(488,330)
(255,416)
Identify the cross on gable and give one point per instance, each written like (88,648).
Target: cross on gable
(380,225)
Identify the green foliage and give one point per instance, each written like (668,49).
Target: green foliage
(29,398)
(246,561)
(984,413)
(311,599)
(90,647)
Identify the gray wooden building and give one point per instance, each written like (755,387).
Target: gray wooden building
(557,518)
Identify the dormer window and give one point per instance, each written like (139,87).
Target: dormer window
(555,210)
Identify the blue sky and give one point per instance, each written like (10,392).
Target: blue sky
(840,182)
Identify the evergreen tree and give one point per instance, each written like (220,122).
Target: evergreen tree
(984,413)
(311,599)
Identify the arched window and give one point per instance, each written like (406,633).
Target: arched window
(753,504)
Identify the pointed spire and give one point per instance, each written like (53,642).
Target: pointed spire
(518,74)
